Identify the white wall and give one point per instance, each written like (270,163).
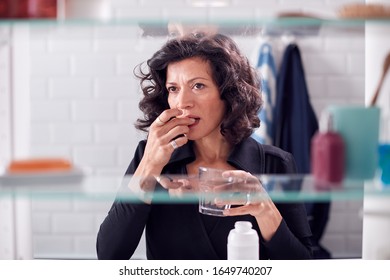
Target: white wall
(84,104)
(376,226)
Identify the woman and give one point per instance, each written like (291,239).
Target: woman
(200,105)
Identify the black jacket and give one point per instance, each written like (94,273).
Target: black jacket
(179,231)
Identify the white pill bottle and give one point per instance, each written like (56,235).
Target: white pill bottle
(243,242)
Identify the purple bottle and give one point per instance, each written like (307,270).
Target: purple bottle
(327,154)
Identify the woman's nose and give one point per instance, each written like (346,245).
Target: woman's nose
(184,99)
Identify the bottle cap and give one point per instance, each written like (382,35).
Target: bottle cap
(326,122)
(243,234)
(242,227)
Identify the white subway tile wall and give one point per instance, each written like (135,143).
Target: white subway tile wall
(5,99)
(85,102)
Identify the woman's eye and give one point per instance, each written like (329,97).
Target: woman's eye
(172,89)
(199,86)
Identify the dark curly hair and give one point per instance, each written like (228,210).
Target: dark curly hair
(237,81)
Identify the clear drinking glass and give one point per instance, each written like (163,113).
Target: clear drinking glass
(211,186)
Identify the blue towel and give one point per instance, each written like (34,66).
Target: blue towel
(267,71)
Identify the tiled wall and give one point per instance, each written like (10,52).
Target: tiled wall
(84,104)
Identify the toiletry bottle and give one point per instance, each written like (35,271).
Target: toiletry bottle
(384,163)
(243,242)
(327,153)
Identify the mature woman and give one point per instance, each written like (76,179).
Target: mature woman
(200,105)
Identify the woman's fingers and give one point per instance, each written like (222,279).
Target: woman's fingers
(168,182)
(241,198)
(169,130)
(237,174)
(250,209)
(245,193)
(159,122)
(240,185)
(166,116)
(178,181)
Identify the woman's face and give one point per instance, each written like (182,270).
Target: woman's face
(192,89)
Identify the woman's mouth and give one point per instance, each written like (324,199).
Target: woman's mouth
(195,123)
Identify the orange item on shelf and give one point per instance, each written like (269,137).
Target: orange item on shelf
(364,11)
(39,165)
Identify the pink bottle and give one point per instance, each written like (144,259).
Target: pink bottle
(327,154)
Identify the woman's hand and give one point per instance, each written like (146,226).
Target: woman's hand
(167,133)
(252,199)
(245,192)
(179,185)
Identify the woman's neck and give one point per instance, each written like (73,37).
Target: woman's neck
(212,152)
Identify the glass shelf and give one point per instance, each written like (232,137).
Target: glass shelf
(281,188)
(272,26)
(259,21)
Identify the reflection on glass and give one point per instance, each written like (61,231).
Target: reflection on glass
(185,189)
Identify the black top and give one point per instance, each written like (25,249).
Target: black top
(179,231)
